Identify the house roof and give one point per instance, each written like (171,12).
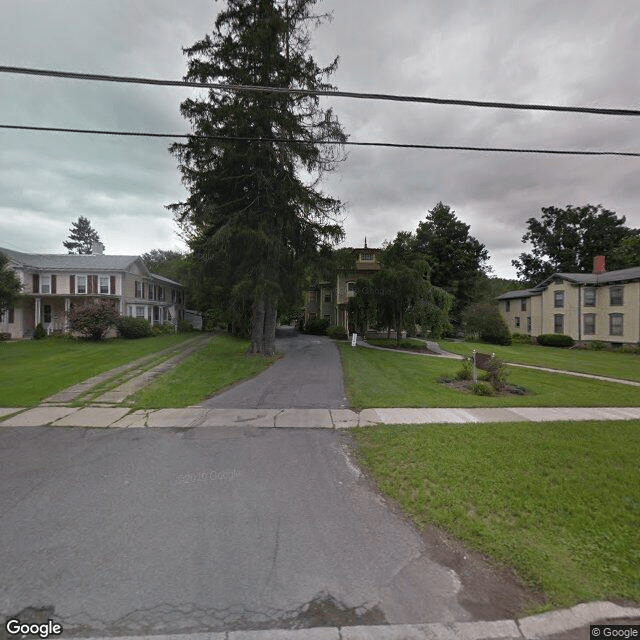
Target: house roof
(65,262)
(163,279)
(608,277)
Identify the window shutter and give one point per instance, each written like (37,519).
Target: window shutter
(72,284)
(53,284)
(36,283)
(112,285)
(95,284)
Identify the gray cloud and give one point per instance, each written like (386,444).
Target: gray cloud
(568,52)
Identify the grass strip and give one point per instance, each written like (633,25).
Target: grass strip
(220,364)
(375,378)
(558,502)
(36,369)
(613,364)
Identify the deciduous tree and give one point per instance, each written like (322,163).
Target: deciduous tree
(10,285)
(567,240)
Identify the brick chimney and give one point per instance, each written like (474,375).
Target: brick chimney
(598,265)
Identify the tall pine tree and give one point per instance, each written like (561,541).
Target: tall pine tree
(81,237)
(254,212)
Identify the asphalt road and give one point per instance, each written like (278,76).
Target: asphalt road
(308,376)
(141,531)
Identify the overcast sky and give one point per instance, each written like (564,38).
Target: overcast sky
(574,52)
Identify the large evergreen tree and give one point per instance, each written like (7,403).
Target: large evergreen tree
(456,259)
(250,216)
(81,237)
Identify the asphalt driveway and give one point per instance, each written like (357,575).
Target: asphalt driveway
(308,376)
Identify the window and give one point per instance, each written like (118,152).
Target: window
(313,296)
(589,324)
(138,289)
(366,257)
(104,284)
(558,323)
(589,296)
(558,299)
(523,304)
(616,324)
(81,284)
(351,286)
(139,312)
(160,291)
(327,295)
(616,296)
(507,305)
(45,284)
(47,313)
(516,322)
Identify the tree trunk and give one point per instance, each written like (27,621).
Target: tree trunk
(269,332)
(257,325)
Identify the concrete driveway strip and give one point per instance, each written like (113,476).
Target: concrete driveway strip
(150,531)
(308,376)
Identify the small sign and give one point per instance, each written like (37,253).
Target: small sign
(354,337)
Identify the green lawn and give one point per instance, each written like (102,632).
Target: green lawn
(375,378)
(559,503)
(35,369)
(220,364)
(603,363)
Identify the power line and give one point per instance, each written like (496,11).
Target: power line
(395,145)
(335,94)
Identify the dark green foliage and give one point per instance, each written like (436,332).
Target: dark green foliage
(81,237)
(482,389)
(163,329)
(485,321)
(94,319)
(254,216)
(4,335)
(626,254)
(317,326)
(129,327)
(10,286)
(521,338)
(337,333)
(39,332)
(567,240)
(497,374)
(466,371)
(457,260)
(184,327)
(555,340)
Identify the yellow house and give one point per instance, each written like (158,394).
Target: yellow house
(53,283)
(602,306)
(329,300)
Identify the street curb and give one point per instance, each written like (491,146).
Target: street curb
(529,628)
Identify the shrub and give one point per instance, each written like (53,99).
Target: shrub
(39,332)
(184,327)
(337,333)
(597,345)
(555,340)
(4,336)
(630,348)
(129,327)
(466,372)
(497,374)
(163,329)
(485,321)
(521,338)
(93,319)
(317,326)
(482,389)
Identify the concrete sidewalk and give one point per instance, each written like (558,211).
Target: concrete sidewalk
(562,624)
(123,417)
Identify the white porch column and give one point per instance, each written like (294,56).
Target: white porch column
(38,312)
(67,308)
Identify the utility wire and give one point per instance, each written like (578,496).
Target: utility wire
(336,94)
(394,145)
